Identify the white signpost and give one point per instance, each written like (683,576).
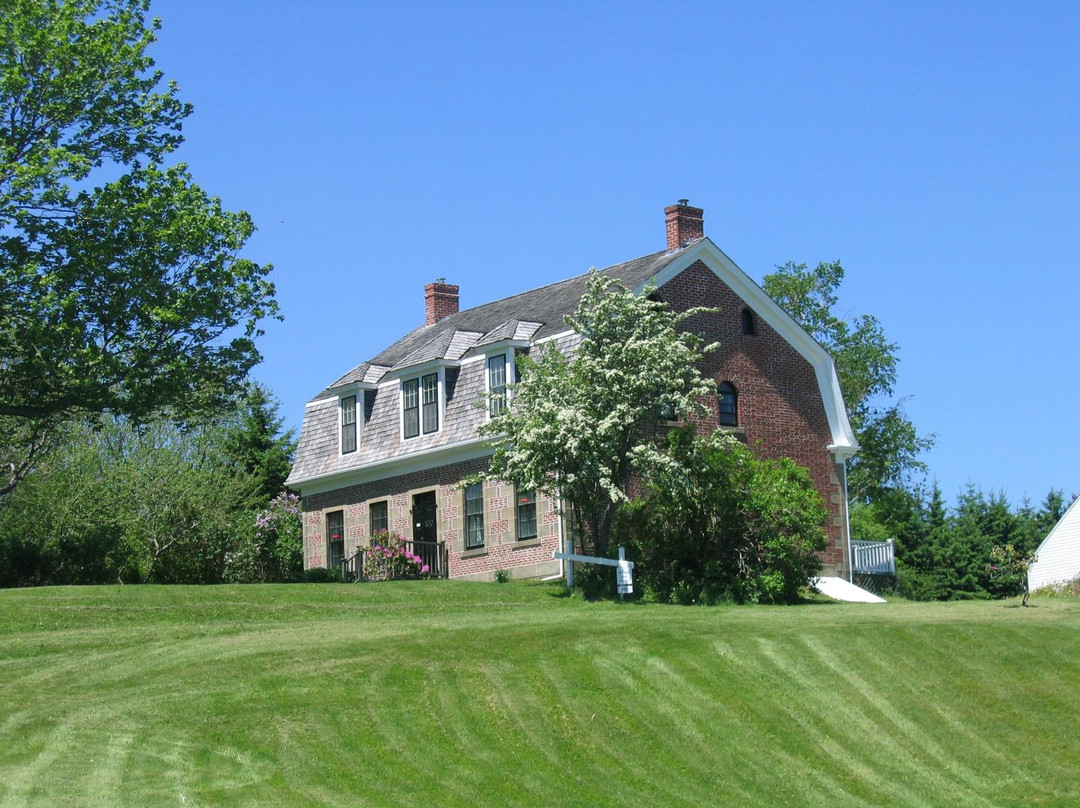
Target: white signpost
(624,570)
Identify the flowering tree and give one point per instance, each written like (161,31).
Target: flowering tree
(1010,566)
(273,550)
(581,426)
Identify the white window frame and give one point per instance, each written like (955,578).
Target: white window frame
(359,392)
(507,358)
(417,375)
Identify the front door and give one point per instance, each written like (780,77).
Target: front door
(425,531)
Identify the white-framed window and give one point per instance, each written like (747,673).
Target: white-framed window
(496,383)
(429,389)
(410,404)
(421,404)
(348,424)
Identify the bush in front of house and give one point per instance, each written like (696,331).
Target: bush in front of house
(389,559)
(718,524)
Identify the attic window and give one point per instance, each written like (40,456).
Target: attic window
(420,405)
(728,404)
(348,424)
(748,325)
(496,369)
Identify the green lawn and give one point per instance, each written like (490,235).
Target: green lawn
(454,694)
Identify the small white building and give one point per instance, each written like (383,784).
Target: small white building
(1059,554)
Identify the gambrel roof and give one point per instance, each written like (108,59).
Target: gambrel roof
(531,316)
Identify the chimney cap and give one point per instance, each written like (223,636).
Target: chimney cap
(684,202)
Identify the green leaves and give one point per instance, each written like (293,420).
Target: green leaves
(127,295)
(866,364)
(582,420)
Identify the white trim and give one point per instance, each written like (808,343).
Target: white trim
(393,467)
(358,419)
(422,369)
(508,362)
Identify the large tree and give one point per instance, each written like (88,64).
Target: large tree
(866,363)
(121,289)
(582,424)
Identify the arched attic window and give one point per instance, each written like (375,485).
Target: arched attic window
(728,404)
(748,325)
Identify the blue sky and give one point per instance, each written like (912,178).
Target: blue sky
(933,148)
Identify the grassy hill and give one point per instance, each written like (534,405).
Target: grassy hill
(454,694)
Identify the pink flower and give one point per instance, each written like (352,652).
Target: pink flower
(425,568)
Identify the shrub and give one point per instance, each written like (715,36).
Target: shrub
(717,523)
(388,559)
(268,546)
(504,576)
(322,575)
(1068,589)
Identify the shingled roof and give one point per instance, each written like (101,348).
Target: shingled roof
(539,311)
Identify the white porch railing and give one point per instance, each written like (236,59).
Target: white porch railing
(873,557)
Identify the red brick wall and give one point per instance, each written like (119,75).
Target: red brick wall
(780,407)
(501,549)
(683,224)
(440,300)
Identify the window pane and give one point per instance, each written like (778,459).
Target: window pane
(431,403)
(380,522)
(410,400)
(497,383)
(474,516)
(526,514)
(335,538)
(728,403)
(348,424)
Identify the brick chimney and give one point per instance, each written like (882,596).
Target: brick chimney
(684,224)
(440,300)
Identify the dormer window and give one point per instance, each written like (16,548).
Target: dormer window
(430,387)
(348,424)
(420,405)
(410,402)
(496,377)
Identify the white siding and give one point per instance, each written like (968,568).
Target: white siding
(1059,555)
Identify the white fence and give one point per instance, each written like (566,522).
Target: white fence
(873,557)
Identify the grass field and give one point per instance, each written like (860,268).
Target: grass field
(455,694)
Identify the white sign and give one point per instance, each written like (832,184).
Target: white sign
(624,578)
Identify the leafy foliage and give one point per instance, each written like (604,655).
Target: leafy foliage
(1009,566)
(717,523)
(161,500)
(120,286)
(583,424)
(388,559)
(949,553)
(866,363)
(272,550)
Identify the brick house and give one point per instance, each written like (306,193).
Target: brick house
(385,447)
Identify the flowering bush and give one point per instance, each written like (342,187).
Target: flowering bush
(388,559)
(271,548)
(1010,567)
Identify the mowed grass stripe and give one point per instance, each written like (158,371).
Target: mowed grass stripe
(471,695)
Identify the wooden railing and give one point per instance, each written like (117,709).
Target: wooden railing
(873,557)
(432,553)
